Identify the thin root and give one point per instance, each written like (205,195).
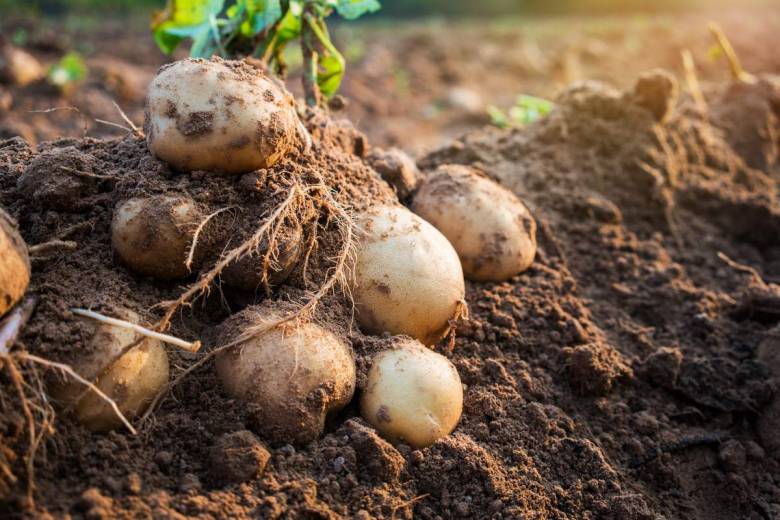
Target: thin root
(191,253)
(742,268)
(337,275)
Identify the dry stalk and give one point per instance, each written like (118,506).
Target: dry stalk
(692,79)
(39,249)
(737,72)
(189,346)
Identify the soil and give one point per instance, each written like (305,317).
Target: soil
(616,378)
(628,374)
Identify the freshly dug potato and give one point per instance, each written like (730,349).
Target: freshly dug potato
(14,264)
(247,272)
(490,228)
(408,278)
(18,67)
(221,116)
(153,235)
(413,394)
(292,377)
(131,380)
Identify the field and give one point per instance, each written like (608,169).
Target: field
(630,373)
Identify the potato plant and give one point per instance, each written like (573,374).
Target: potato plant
(262,30)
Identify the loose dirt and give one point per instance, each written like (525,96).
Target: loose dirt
(617,378)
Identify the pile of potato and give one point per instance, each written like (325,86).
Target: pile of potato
(408,277)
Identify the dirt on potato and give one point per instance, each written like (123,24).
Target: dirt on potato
(618,377)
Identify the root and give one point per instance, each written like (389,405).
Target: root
(193,346)
(69,372)
(406,504)
(42,249)
(191,253)
(85,174)
(737,72)
(294,199)
(337,276)
(127,120)
(743,268)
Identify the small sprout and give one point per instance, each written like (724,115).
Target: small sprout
(526,110)
(413,395)
(71,69)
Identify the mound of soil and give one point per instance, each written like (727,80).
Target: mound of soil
(617,378)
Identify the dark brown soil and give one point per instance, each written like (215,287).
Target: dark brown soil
(617,378)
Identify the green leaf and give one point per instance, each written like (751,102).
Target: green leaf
(183,19)
(70,69)
(497,117)
(352,9)
(263,13)
(528,109)
(329,74)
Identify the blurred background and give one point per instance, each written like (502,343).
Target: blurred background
(418,72)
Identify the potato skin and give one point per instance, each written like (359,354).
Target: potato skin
(408,279)
(131,380)
(490,228)
(413,394)
(220,116)
(14,264)
(292,377)
(153,235)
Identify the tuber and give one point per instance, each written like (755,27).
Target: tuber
(490,228)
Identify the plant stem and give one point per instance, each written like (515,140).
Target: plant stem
(308,42)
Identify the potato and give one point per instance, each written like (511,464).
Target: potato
(14,264)
(413,394)
(18,67)
(131,380)
(407,278)
(293,376)
(221,116)
(153,235)
(490,228)
(247,272)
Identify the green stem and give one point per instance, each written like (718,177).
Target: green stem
(310,88)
